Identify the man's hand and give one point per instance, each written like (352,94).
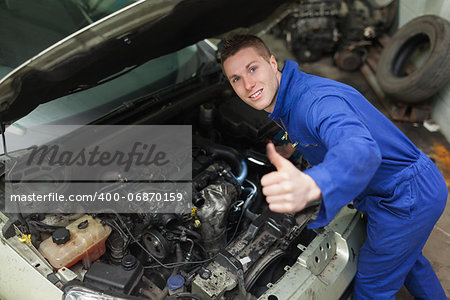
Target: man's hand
(288,189)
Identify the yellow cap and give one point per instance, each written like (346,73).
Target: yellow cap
(197,223)
(194,212)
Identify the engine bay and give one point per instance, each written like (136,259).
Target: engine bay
(229,246)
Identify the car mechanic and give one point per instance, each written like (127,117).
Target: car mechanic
(357,155)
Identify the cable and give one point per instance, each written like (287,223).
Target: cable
(247,202)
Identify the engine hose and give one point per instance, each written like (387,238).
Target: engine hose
(253,190)
(253,194)
(179,255)
(190,232)
(244,170)
(228,154)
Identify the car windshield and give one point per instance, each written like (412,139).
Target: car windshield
(28,27)
(87,105)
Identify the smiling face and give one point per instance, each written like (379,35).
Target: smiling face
(254,79)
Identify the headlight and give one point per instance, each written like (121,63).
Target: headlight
(83,293)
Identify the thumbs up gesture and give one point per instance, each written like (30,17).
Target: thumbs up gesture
(287,189)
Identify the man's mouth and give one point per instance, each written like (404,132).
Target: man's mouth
(256,94)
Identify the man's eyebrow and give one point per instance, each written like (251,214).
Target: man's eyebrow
(248,65)
(232,76)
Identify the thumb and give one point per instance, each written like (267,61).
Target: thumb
(275,158)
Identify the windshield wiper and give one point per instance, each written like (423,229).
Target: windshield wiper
(151,100)
(102,81)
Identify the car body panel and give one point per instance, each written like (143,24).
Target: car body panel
(23,272)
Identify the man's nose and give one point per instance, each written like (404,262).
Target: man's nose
(249,83)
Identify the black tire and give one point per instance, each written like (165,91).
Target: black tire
(424,82)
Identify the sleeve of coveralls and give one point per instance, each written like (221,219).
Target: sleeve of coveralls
(352,158)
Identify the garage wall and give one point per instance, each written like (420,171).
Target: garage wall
(409,10)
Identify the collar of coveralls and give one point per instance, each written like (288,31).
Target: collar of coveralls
(289,86)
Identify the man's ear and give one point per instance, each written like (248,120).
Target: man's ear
(273,63)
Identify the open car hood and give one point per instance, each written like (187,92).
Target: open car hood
(127,38)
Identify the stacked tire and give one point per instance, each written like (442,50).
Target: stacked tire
(431,76)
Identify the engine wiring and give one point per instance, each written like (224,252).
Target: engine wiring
(246,204)
(168,265)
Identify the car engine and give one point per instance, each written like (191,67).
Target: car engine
(345,28)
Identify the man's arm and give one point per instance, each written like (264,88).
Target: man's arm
(352,159)
(348,166)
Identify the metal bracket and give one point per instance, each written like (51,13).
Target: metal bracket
(319,253)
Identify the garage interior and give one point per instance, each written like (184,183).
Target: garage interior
(431,137)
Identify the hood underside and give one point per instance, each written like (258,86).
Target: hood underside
(130,37)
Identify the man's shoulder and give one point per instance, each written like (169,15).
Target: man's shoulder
(319,88)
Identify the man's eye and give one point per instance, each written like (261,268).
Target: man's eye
(252,69)
(235,79)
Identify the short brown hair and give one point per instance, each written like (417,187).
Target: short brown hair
(232,45)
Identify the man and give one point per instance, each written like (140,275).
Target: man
(357,155)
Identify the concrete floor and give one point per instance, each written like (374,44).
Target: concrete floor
(437,248)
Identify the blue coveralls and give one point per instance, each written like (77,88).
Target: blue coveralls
(358,155)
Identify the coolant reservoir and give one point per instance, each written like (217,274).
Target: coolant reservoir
(86,242)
